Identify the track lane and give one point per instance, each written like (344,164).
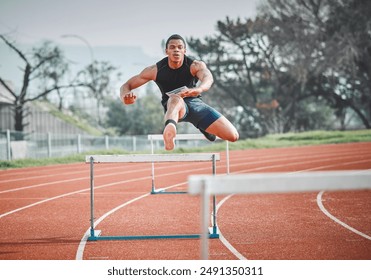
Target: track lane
(115,194)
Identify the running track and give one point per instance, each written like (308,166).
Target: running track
(45,211)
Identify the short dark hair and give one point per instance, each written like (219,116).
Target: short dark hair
(174,37)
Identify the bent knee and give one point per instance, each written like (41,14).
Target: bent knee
(175,98)
(175,101)
(233,137)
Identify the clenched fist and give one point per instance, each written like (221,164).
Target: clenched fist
(129,98)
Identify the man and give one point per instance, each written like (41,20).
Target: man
(177,70)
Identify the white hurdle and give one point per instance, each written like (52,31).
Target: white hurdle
(142,158)
(159,137)
(271,183)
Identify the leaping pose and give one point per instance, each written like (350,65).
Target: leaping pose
(181,81)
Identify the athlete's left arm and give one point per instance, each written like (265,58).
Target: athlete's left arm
(200,70)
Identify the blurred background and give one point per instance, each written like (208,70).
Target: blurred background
(279,66)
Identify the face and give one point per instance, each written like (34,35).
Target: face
(176,50)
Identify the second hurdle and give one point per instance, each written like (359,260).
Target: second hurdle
(148,158)
(194,137)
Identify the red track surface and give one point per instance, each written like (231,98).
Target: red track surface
(45,211)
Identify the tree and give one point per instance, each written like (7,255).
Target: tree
(326,46)
(41,64)
(293,54)
(239,56)
(97,77)
(349,51)
(294,29)
(51,76)
(142,118)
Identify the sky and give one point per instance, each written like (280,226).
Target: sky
(126,33)
(117,22)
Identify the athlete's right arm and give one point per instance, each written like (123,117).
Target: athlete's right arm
(147,74)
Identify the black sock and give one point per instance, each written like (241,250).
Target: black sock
(170,121)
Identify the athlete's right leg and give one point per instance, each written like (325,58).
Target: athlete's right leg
(175,111)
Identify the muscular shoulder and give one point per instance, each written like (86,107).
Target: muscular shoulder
(196,66)
(149,73)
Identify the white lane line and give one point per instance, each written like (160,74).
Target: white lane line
(269,160)
(39,202)
(39,176)
(319,202)
(66,170)
(337,164)
(81,248)
(328,214)
(303,162)
(86,178)
(226,243)
(101,186)
(57,172)
(71,180)
(301,155)
(44,184)
(70,193)
(111,174)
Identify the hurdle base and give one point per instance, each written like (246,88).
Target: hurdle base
(94,235)
(213,232)
(98,236)
(163,191)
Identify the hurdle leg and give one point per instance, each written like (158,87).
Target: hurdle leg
(153,170)
(159,191)
(205,234)
(227,155)
(92,235)
(213,231)
(153,188)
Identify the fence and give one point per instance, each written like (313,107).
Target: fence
(17,145)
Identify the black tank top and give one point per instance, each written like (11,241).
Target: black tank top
(169,79)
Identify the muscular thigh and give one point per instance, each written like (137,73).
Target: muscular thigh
(200,114)
(222,128)
(175,108)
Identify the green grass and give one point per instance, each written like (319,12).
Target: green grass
(21,163)
(270,141)
(291,140)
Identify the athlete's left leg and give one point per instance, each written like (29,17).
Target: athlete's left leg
(224,129)
(206,118)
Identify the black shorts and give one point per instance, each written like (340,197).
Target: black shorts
(198,113)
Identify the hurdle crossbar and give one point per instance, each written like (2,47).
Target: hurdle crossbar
(272,183)
(152,158)
(159,137)
(140,158)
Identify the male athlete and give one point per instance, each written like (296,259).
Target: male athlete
(178,72)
